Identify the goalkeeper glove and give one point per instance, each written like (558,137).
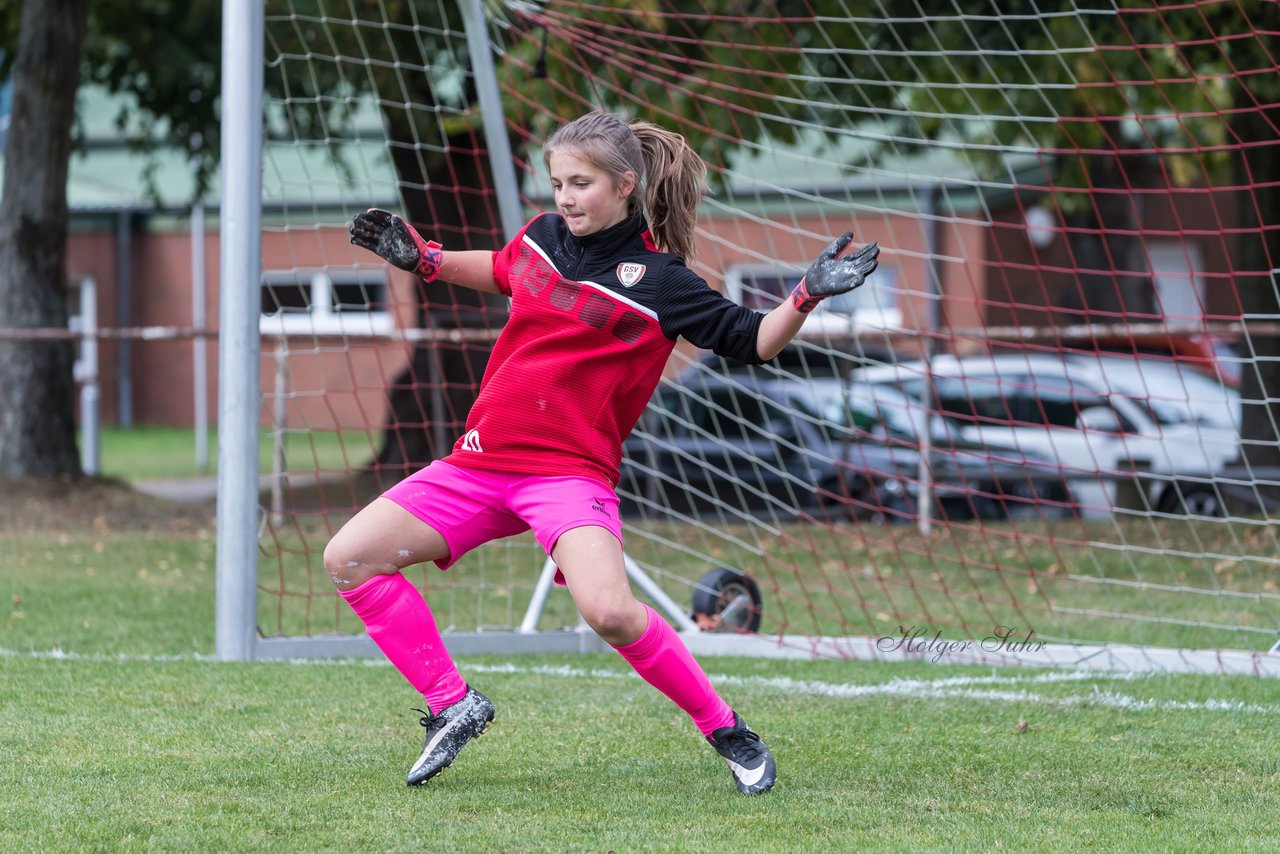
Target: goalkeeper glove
(389,237)
(830,275)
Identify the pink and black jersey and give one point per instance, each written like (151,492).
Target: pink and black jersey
(592,323)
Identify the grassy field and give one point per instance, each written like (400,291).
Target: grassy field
(119,732)
(145,452)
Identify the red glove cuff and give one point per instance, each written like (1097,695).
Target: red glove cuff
(801,301)
(430,256)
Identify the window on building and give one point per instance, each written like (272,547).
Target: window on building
(1176,267)
(763,287)
(326,301)
(872,306)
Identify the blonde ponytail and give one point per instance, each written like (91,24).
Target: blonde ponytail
(675,182)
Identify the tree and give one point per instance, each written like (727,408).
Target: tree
(37,414)
(160,51)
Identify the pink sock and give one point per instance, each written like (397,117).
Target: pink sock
(662,660)
(398,620)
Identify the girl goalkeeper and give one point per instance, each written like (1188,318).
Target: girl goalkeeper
(599,294)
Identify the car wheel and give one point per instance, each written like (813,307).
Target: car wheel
(834,505)
(1192,499)
(884,501)
(727,599)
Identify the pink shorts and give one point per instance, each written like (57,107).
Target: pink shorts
(470,507)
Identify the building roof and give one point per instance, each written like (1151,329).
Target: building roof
(106,173)
(856,171)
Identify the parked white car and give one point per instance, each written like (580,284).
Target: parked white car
(1174,393)
(1087,416)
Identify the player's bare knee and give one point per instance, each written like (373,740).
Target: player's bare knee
(616,623)
(346,569)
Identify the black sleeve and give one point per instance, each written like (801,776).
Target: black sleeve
(689,308)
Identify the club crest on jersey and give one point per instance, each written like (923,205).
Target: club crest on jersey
(629,273)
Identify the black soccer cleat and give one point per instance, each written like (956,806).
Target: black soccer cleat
(749,760)
(449,732)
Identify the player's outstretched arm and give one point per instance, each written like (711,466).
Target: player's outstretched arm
(389,237)
(827,276)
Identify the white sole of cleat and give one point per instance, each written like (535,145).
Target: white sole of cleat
(439,773)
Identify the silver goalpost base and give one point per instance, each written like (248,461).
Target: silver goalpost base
(1125,659)
(527,638)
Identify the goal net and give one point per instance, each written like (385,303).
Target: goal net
(1043,431)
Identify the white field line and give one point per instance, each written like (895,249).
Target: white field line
(948,688)
(941,689)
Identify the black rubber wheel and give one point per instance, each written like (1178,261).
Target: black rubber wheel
(727,600)
(1197,499)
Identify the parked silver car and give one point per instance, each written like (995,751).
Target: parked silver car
(742,442)
(1109,435)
